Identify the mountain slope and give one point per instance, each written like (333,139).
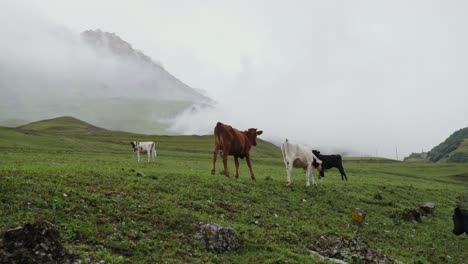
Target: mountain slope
(453,149)
(154,80)
(95,76)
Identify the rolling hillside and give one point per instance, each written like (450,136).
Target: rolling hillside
(453,149)
(85,180)
(64,124)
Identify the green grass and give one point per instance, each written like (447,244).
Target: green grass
(84,180)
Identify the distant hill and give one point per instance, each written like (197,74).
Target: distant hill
(453,149)
(416,157)
(64,124)
(95,76)
(75,132)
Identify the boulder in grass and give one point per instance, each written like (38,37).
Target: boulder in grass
(340,250)
(217,238)
(427,208)
(38,242)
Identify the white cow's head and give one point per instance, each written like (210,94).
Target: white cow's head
(317,164)
(134,146)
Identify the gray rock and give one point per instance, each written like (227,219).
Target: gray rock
(354,250)
(427,208)
(33,243)
(217,238)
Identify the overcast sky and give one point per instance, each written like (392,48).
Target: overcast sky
(371,76)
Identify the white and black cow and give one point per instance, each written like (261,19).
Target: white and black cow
(330,161)
(299,156)
(460,221)
(142,147)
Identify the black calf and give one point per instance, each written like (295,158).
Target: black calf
(330,161)
(460,221)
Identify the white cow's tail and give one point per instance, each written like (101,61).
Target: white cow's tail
(284,151)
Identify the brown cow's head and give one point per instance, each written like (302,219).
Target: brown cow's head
(252,134)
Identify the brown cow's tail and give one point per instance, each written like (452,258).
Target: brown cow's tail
(217,136)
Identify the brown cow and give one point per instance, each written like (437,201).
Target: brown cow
(235,143)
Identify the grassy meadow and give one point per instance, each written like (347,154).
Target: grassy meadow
(85,181)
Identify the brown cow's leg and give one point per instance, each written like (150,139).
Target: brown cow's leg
(236,161)
(225,156)
(247,158)
(215,155)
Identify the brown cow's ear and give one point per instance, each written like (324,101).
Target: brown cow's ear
(259,132)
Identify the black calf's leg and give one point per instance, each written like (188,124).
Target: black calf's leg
(343,174)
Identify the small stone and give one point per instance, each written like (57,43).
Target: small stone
(46,248)
(427,208)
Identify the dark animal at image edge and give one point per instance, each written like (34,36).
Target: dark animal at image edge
(231,141)
(330,161)
(460,221)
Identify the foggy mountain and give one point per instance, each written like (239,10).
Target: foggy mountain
(95,76)
(152,80)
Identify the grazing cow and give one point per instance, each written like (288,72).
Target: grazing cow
(299,156)
(460,221)
(235,143)
(330,161)
(142,147)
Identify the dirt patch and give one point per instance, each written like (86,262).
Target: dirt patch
(28,132)
(411,215)
(460,177)
(354,250)
(74,141)
(33,243)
